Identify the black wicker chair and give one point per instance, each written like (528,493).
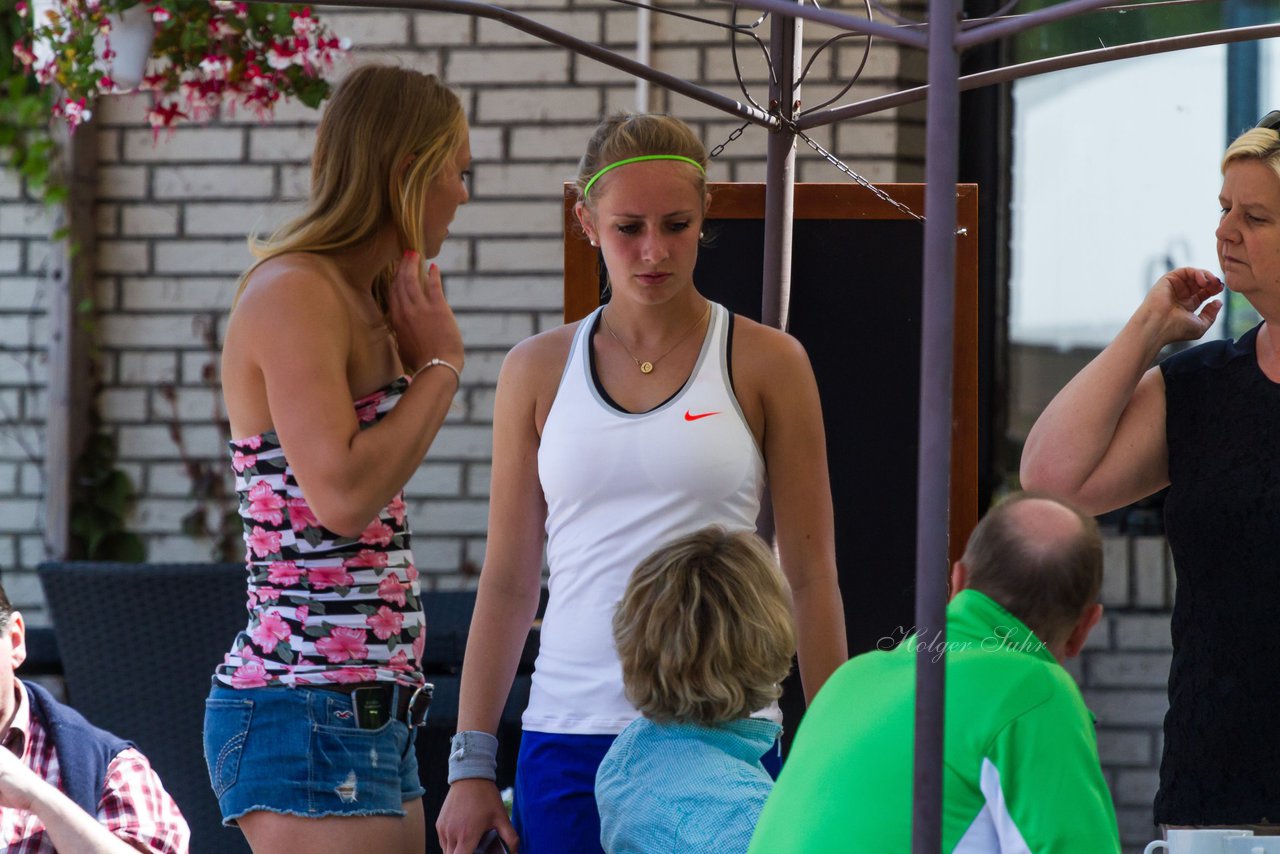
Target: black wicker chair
(138,644)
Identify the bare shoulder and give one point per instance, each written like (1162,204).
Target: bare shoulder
(296,283)
(540,358)
(760,350)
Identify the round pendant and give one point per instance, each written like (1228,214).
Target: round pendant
(646,367)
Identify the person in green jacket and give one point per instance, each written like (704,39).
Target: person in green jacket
(1021,770)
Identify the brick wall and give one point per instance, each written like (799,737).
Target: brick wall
(171,220)
(1123,672)
(25,255)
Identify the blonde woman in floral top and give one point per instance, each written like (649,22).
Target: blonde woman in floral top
(340,361)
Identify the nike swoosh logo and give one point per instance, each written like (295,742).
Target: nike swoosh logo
(689,416)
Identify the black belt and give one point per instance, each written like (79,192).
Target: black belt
(372,702)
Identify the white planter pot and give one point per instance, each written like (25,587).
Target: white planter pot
(132,32)
(39,17)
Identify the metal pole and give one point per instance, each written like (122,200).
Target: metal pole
(1005,27)
(909,36)
(579,46)
(779,197)
(1042,66)
(780,174)
(933,478)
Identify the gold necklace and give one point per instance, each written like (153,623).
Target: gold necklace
(646,366)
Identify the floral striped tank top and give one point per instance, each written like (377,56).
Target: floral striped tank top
(322,608)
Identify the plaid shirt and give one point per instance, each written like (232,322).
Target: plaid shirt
(134,806)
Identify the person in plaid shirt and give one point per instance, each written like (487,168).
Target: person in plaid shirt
(66,785)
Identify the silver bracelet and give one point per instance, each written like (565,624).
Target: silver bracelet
(432,363)
(473,754)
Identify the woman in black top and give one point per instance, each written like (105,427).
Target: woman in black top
(1201,423)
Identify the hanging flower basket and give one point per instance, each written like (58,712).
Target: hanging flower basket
(204,55)
(125,48)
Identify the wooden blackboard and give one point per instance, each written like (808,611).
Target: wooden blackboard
(855,305)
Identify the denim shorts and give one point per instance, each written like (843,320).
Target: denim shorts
(298,751)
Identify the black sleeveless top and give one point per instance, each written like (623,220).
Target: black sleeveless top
(1221,762)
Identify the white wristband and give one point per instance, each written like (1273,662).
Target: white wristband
(432,363)
(473,754)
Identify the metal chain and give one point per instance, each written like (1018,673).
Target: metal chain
(737,133)
(834,161)
(880,194)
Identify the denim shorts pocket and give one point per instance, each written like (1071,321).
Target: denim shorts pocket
(226,726)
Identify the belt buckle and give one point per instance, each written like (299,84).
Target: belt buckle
(419,703)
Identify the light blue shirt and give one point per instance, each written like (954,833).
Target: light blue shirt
(683,787)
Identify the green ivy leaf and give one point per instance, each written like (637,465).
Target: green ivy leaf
(120,546)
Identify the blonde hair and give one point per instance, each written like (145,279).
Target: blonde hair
(626,135)
(1255,144)
(704,630)
(385,135)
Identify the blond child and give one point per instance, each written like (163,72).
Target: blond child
(704,633)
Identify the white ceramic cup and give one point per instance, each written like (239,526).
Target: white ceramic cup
(1201,841)
(1254,845)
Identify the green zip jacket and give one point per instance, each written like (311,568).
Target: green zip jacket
(1021,757)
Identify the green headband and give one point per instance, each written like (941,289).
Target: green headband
(680,157)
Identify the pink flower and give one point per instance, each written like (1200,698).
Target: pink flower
(159,14)
(280,55)
(391,589)
(268,594)
(343,644)
(377,534)
(75,112)
(220,28)
(366,414)
(21,8)
(23,53)
(263,543)
(159,118)
(253,443)
(322,577)
(396,509)
(284,573)
(303,23)
(270,631)
(106,84)
(251,675)
(301,613)
(399,661)
(367,557)
(300,515)
(351,674)
(264,504)
(386,622)
(419,643)
(411,572)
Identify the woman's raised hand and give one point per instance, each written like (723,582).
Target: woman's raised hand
(1178,298)
(424,324)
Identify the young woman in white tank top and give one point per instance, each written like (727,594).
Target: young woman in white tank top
(613,436)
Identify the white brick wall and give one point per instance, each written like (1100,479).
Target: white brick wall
(1124,671)
(172,217)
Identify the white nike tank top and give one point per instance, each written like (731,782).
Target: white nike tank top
(619,485)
